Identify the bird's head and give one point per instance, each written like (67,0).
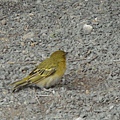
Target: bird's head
(59,54)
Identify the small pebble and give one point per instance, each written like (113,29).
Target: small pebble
(87,28)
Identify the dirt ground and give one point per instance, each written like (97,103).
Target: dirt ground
(89,30)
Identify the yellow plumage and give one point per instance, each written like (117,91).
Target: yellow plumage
(47,73)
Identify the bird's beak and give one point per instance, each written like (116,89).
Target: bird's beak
(66,53)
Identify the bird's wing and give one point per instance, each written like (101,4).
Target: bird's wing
(43,72)
(38,74)
(45,69)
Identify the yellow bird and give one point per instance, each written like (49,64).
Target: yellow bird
(46,74)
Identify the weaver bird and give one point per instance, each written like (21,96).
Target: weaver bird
(46,74)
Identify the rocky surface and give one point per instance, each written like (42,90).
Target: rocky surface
(89,30)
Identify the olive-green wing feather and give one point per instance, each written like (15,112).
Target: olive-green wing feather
(45,69)
(42,71)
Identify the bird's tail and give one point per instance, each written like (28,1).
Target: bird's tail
(20,83)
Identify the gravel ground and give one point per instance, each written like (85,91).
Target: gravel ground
(89,30)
